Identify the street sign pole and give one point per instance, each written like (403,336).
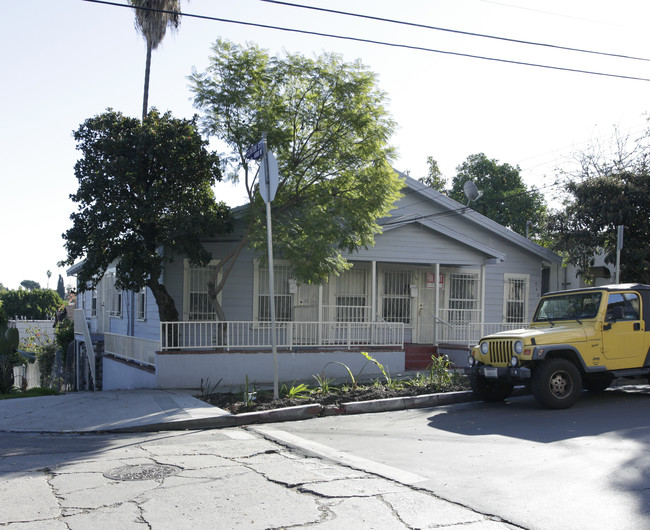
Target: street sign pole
(269,243)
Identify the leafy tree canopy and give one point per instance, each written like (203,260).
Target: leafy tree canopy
(60,287)
(505,197)
(143,186)
(326,122)
(30,284)
(36,304)
(603,194)
(434,178)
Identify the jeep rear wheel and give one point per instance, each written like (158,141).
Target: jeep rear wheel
(556,383)
(490,390)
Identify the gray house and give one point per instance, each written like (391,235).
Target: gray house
(439,276)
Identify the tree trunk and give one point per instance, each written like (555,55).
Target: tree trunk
(166,305)
(147,71)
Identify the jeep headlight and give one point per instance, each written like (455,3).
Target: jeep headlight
(484,348)
(518,346)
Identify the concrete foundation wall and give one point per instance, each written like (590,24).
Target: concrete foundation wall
(119,375)
(185,370)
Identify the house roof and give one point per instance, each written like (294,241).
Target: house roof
(473,217)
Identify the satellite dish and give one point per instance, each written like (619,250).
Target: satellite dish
(471,191)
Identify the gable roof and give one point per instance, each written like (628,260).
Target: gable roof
(471,216)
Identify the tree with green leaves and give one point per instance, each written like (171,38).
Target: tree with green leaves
(60,288)
(505,198)
(326,122)
(605,192)
(30,285)
(145,195)
(152,20)
(434,178)
(35,304)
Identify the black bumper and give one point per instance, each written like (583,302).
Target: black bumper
(518,373)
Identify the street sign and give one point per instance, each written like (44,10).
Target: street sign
(255,151)
(269,179)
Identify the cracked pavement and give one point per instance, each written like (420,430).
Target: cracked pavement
(228,478)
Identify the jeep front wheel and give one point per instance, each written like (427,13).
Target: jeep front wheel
(556,383)
(490,390)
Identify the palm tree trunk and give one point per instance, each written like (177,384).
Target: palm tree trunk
(147,71)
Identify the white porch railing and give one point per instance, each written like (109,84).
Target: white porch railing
(245,334)
(469,333)
(142,351)
(81,326)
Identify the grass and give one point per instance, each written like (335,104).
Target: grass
(32,392)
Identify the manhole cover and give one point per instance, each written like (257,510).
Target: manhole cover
(142,472)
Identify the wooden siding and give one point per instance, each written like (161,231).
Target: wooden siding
(414,243)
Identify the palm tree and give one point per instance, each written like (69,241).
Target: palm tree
(153,26)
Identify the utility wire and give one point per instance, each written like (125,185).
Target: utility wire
(459,32)
(371,41)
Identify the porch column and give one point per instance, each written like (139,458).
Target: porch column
(482,297)
(436,304)
(373,293)
(320,314)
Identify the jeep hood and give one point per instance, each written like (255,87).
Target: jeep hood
(546,335)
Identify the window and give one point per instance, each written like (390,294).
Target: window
(622,306)
(115,302)
(515,298)
(351,296)
(396,303)
(93,303)
(141,305)
(281,291)
(463,298)
(196,300)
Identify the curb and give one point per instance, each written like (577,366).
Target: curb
(306,412)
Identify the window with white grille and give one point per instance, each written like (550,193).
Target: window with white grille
(515,298)
(283,298)
(196,299)
(463,298)
(396,302)
(351,296)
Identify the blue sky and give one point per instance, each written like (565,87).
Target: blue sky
(68,60)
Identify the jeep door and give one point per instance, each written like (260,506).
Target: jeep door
(623,329)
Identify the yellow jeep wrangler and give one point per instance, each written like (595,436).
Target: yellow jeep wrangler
(582,338)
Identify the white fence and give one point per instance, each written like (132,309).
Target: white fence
(469,333)
(142,351)
(245,334)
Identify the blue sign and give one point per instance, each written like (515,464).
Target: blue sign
(255,151)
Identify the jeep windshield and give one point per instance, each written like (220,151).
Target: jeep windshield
(574,306)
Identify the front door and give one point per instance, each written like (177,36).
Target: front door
(623,330)
(426,320)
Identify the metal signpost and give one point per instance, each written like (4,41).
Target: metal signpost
(268,185)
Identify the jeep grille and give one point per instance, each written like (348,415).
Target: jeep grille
(499,351)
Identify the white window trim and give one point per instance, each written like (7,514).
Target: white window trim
(186,285)
(141,293)
(511,276)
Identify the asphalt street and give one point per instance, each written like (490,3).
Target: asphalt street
(226,478)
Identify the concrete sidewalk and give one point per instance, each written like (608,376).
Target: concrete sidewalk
(169,410)
(123,410)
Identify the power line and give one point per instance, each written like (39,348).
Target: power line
(381,43)
(459,32)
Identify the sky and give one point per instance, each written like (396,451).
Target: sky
(66,61)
